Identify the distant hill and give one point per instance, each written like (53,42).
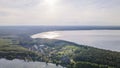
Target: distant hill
(28,30)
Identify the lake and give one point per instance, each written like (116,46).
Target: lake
(22,64)
(104,39)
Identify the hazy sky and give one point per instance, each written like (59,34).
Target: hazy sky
(60,12)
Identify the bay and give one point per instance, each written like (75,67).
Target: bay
(103,39)
(16,63)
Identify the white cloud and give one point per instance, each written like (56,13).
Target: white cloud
(61,12)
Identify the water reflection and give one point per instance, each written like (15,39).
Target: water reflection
(49,35)
(104,39)
(22,64)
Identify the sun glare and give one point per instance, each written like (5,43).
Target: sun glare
(51,2)
(51,6)
(49,35)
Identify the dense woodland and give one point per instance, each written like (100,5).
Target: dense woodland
(17,44)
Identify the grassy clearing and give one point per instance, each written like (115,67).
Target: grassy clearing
(68,50)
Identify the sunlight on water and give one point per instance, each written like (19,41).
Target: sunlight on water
(49,35)
(104,39)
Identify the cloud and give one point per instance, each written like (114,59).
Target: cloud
(61,12)
(18,3)
(92,3)
(3,13)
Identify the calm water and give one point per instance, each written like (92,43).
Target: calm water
(104,39)
(22,64)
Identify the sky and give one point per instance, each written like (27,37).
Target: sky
(60,12)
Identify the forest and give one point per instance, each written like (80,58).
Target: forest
(19,45)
